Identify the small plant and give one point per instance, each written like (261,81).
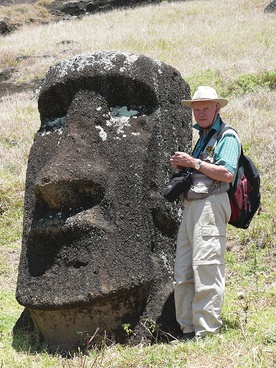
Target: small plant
(128,330)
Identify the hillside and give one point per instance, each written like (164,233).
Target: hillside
(227,44)
(14,14)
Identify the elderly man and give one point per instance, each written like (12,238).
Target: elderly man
(199,264)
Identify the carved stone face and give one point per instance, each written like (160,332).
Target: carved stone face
(97,233)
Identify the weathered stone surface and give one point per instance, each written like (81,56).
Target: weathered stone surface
(94,6)
(99,238)
(271,8)
(74,8)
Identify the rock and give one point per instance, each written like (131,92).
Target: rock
(271,8)
(95,6)
(241,295)
(99,238)
(4,27)
(77,8)
(74,8)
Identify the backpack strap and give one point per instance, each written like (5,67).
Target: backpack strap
(219,136)
(224,129)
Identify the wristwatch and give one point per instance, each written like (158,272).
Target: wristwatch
(197,164)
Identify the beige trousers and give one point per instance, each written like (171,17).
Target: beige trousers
(199,264)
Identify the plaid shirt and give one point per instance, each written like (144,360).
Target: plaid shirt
(227,151)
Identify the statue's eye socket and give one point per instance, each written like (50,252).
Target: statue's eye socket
(54,101)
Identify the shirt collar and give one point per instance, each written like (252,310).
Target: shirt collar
(215,126)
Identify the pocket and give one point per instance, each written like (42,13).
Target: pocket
(213,230)
(210,248)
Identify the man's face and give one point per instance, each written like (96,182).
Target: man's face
(205,113)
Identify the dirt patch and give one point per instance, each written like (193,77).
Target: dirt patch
(9,88)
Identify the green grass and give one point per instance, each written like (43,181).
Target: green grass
(226,44)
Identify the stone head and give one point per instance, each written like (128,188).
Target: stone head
(97,231)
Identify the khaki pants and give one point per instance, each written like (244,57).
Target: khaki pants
(199,264)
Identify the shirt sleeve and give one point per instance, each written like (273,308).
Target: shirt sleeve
(227,152)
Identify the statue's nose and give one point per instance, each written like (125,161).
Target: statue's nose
(67,193)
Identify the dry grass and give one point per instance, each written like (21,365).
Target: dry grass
(19,121)
(207,41)
(176,33)
(21,14)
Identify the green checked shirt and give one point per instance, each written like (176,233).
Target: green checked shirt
(228,149)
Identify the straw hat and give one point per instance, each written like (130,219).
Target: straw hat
(205,93)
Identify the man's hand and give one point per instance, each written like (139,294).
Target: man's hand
(215,172)
(182,159)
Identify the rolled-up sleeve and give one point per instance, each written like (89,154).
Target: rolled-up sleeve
(227,152)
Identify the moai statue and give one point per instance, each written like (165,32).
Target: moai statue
(99,238)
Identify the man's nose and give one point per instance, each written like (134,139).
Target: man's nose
(200,113)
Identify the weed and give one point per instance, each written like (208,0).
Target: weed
(127,329)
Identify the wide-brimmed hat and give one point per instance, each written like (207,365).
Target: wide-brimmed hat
(205,93)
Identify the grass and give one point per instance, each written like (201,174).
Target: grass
(17,15)
(228,44)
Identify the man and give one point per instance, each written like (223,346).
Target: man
(199,264)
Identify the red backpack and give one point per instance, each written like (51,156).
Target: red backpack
(244,193)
